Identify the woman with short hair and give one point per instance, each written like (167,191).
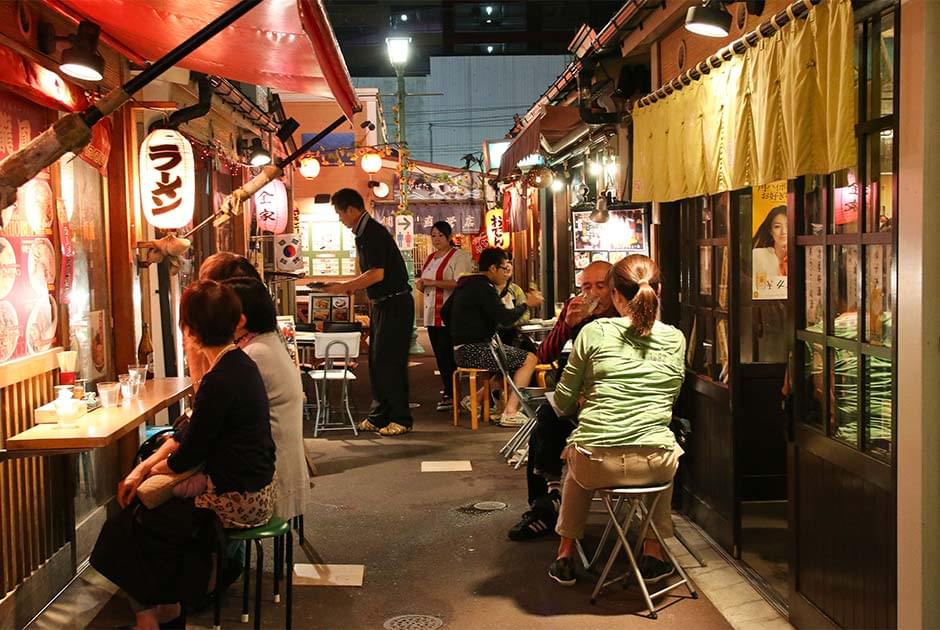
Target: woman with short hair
(256,334)
(163,556)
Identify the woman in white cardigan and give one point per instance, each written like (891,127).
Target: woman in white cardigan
(257,336)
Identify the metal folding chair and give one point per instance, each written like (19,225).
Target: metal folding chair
(329,347)
(633,497)
(517,447)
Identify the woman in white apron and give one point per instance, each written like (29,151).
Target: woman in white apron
(438,279)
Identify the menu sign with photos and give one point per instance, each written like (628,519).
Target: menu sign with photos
(328,247)
(29,265)
(623,233)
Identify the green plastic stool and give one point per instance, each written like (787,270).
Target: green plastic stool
(280,530)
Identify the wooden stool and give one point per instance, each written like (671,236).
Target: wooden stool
(472,374)
(541,370)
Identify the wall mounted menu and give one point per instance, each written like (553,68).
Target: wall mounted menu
(623,233)
(330,248)
(29,309)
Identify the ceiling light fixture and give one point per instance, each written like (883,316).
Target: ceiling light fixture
(404,17)
(711,19)
(489,10)
(257,154)
(489,49)
(82,60)
(489,20)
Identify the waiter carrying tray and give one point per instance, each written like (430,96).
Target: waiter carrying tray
(385,279)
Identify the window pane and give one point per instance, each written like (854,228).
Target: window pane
(843,412)
(878,378)
(814,288)
(720,215)
(886,63)
(705,269)
(703,217)
(814,196)
(880,214)
(814,384)
(844,218)
(843,291)
(879,289)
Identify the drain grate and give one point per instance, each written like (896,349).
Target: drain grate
(483,507)
(413,622)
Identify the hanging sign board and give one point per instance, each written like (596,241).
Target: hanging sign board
(405,231)
(271,211)
(496,233)
(167,179)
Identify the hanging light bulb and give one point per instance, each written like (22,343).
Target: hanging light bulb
(611,168)
(371,162)
(309,166)
(595,168)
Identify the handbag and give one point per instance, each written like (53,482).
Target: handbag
(156,490)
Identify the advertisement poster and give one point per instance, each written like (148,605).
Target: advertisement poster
(288,332)
(29,264)
(769,242)
(96,333)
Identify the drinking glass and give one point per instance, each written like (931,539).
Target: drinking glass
(109,392)
(558,307)
(139,375)
(127,386)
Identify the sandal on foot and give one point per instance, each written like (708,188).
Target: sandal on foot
(365,425)
(394,428)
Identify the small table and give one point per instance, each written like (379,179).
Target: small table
(103,426)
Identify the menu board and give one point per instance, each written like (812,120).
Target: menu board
(329,248)
(317,308)
(623,233)
(28,259)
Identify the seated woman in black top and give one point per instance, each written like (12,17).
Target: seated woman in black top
(161,557)
(473,313)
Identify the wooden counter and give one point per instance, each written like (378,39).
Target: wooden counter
(103,426)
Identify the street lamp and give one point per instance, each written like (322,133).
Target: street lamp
(399,46)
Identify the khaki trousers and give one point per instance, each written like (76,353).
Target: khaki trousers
(592,468)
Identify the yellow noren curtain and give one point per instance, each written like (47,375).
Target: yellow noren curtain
(784,108)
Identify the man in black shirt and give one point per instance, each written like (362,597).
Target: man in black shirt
(385,279)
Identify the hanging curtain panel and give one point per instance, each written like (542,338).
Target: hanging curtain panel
(784,108)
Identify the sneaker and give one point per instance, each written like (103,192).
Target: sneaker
(393,429)
(446,404)
(365,425)
(562,571)
(515,420)
(533,525)
(653,569)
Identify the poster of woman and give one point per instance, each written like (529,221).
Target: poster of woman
(769,243)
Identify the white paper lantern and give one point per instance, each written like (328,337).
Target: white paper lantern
(309,167)
(271,210)
(167,179)
(371,162)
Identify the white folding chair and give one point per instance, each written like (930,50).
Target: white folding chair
(517,448)
(330,346)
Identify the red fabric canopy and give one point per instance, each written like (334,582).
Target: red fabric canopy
(554,124)
(283,44)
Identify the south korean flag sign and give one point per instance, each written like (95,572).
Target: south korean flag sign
(287,253)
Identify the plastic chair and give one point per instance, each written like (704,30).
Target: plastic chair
(330,346)
(279,530)
(633,497)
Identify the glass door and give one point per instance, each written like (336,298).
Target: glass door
(842,456)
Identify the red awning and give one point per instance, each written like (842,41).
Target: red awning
(542,135)
(283,44)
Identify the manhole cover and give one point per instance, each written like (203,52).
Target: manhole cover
(413,622)
(489,506)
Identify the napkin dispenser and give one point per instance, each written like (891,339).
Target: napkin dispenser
(48,414)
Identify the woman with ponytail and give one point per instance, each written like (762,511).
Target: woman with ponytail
(625,374)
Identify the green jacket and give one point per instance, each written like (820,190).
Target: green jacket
(629,384)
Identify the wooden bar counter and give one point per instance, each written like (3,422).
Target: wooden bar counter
(103,426)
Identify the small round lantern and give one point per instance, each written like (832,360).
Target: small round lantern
(309,167)
(371,162)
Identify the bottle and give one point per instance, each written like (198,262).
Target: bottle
(145,350)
